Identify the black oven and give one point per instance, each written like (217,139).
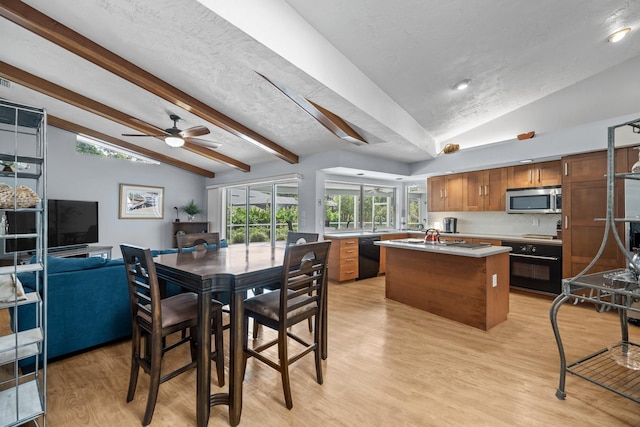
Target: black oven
(535,267)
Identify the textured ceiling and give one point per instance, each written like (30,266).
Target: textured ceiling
(387,68)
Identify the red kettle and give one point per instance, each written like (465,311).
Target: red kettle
(432,236)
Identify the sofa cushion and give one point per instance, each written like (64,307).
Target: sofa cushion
(61,265)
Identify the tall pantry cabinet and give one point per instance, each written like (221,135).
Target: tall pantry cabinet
(23,199)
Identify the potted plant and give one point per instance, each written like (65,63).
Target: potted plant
(191,209)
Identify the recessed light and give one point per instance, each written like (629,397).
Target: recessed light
(449,171)
(526,161)
(618,35)
(359,174)
(462,85)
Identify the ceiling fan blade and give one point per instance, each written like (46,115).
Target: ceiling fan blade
(138,134)
(194,131)
(203,142)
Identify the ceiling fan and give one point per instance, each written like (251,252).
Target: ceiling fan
(175,137)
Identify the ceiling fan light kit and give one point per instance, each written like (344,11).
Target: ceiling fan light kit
(174,141)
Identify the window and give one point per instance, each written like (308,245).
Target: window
(261,213)
(416,206)
(349,205)
(95,147)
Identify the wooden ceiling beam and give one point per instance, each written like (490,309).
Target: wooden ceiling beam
(53,90)
(76,128)
(51,30)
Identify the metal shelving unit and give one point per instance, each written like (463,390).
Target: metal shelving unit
(617,366)
(22,163)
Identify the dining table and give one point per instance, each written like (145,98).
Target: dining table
(236,270)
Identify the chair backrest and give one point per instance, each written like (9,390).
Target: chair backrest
(144,290)
(304,280)
(295,238)
(210,241)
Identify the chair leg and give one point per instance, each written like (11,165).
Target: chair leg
(135,367)
(283,355)
(154,381)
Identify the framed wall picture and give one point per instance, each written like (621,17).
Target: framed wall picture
(141,202)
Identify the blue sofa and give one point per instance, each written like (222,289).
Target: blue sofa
(87,303)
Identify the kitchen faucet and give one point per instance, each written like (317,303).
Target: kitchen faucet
(373,223)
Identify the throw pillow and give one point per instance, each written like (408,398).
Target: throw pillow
(11,288)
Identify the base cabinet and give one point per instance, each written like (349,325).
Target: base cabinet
(343,259)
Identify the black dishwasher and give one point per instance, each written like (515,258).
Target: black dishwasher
(368,257)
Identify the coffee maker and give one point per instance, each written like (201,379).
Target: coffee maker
(450,224)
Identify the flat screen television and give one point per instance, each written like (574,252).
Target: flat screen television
(71,223)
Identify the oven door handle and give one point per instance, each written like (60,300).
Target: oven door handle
(550,258)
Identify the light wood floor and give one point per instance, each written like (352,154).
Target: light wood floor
(389,365)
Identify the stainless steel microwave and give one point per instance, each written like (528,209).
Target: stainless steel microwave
(534,200)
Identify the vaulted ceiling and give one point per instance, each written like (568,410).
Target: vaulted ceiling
(278,80)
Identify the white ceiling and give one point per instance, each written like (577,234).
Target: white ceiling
(387,68)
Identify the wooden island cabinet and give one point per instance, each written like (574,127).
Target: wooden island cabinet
(470,286)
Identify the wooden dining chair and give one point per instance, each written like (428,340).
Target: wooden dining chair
(293,238)
(302,295)
(208,241)
(153,319)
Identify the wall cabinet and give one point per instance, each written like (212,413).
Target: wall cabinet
(584,198)
(188,227)
(445,193)
(484,190)
(22,155)
(343,259)
(535,175)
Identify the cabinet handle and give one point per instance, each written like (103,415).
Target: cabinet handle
(530,175)
(566,169)
(348,259)
(350,251)
(350,272)
(445,193)
(566,222)
(539,174)
(486,190)
(480,190)
(441,194)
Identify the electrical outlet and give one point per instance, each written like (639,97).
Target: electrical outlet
(494,280)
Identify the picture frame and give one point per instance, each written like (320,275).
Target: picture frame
(141,202)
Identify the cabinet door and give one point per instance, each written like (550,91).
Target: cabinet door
(493,191)
(453,193)
(548,173)
(473,188)
(584,198)
(436,193)
(520,176)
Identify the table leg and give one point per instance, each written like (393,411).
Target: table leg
(203,386)
(236,357)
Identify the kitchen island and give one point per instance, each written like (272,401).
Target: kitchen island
(468,285)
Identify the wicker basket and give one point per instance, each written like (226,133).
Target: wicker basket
(23,196)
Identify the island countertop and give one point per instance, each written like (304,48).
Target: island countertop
(412,244)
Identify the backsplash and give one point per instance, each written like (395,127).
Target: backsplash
(499,222)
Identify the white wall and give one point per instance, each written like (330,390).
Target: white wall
(75,176)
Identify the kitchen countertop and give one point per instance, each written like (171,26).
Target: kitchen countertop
(444,249)
(503,237)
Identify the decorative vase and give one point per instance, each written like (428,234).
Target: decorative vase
(191,218)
